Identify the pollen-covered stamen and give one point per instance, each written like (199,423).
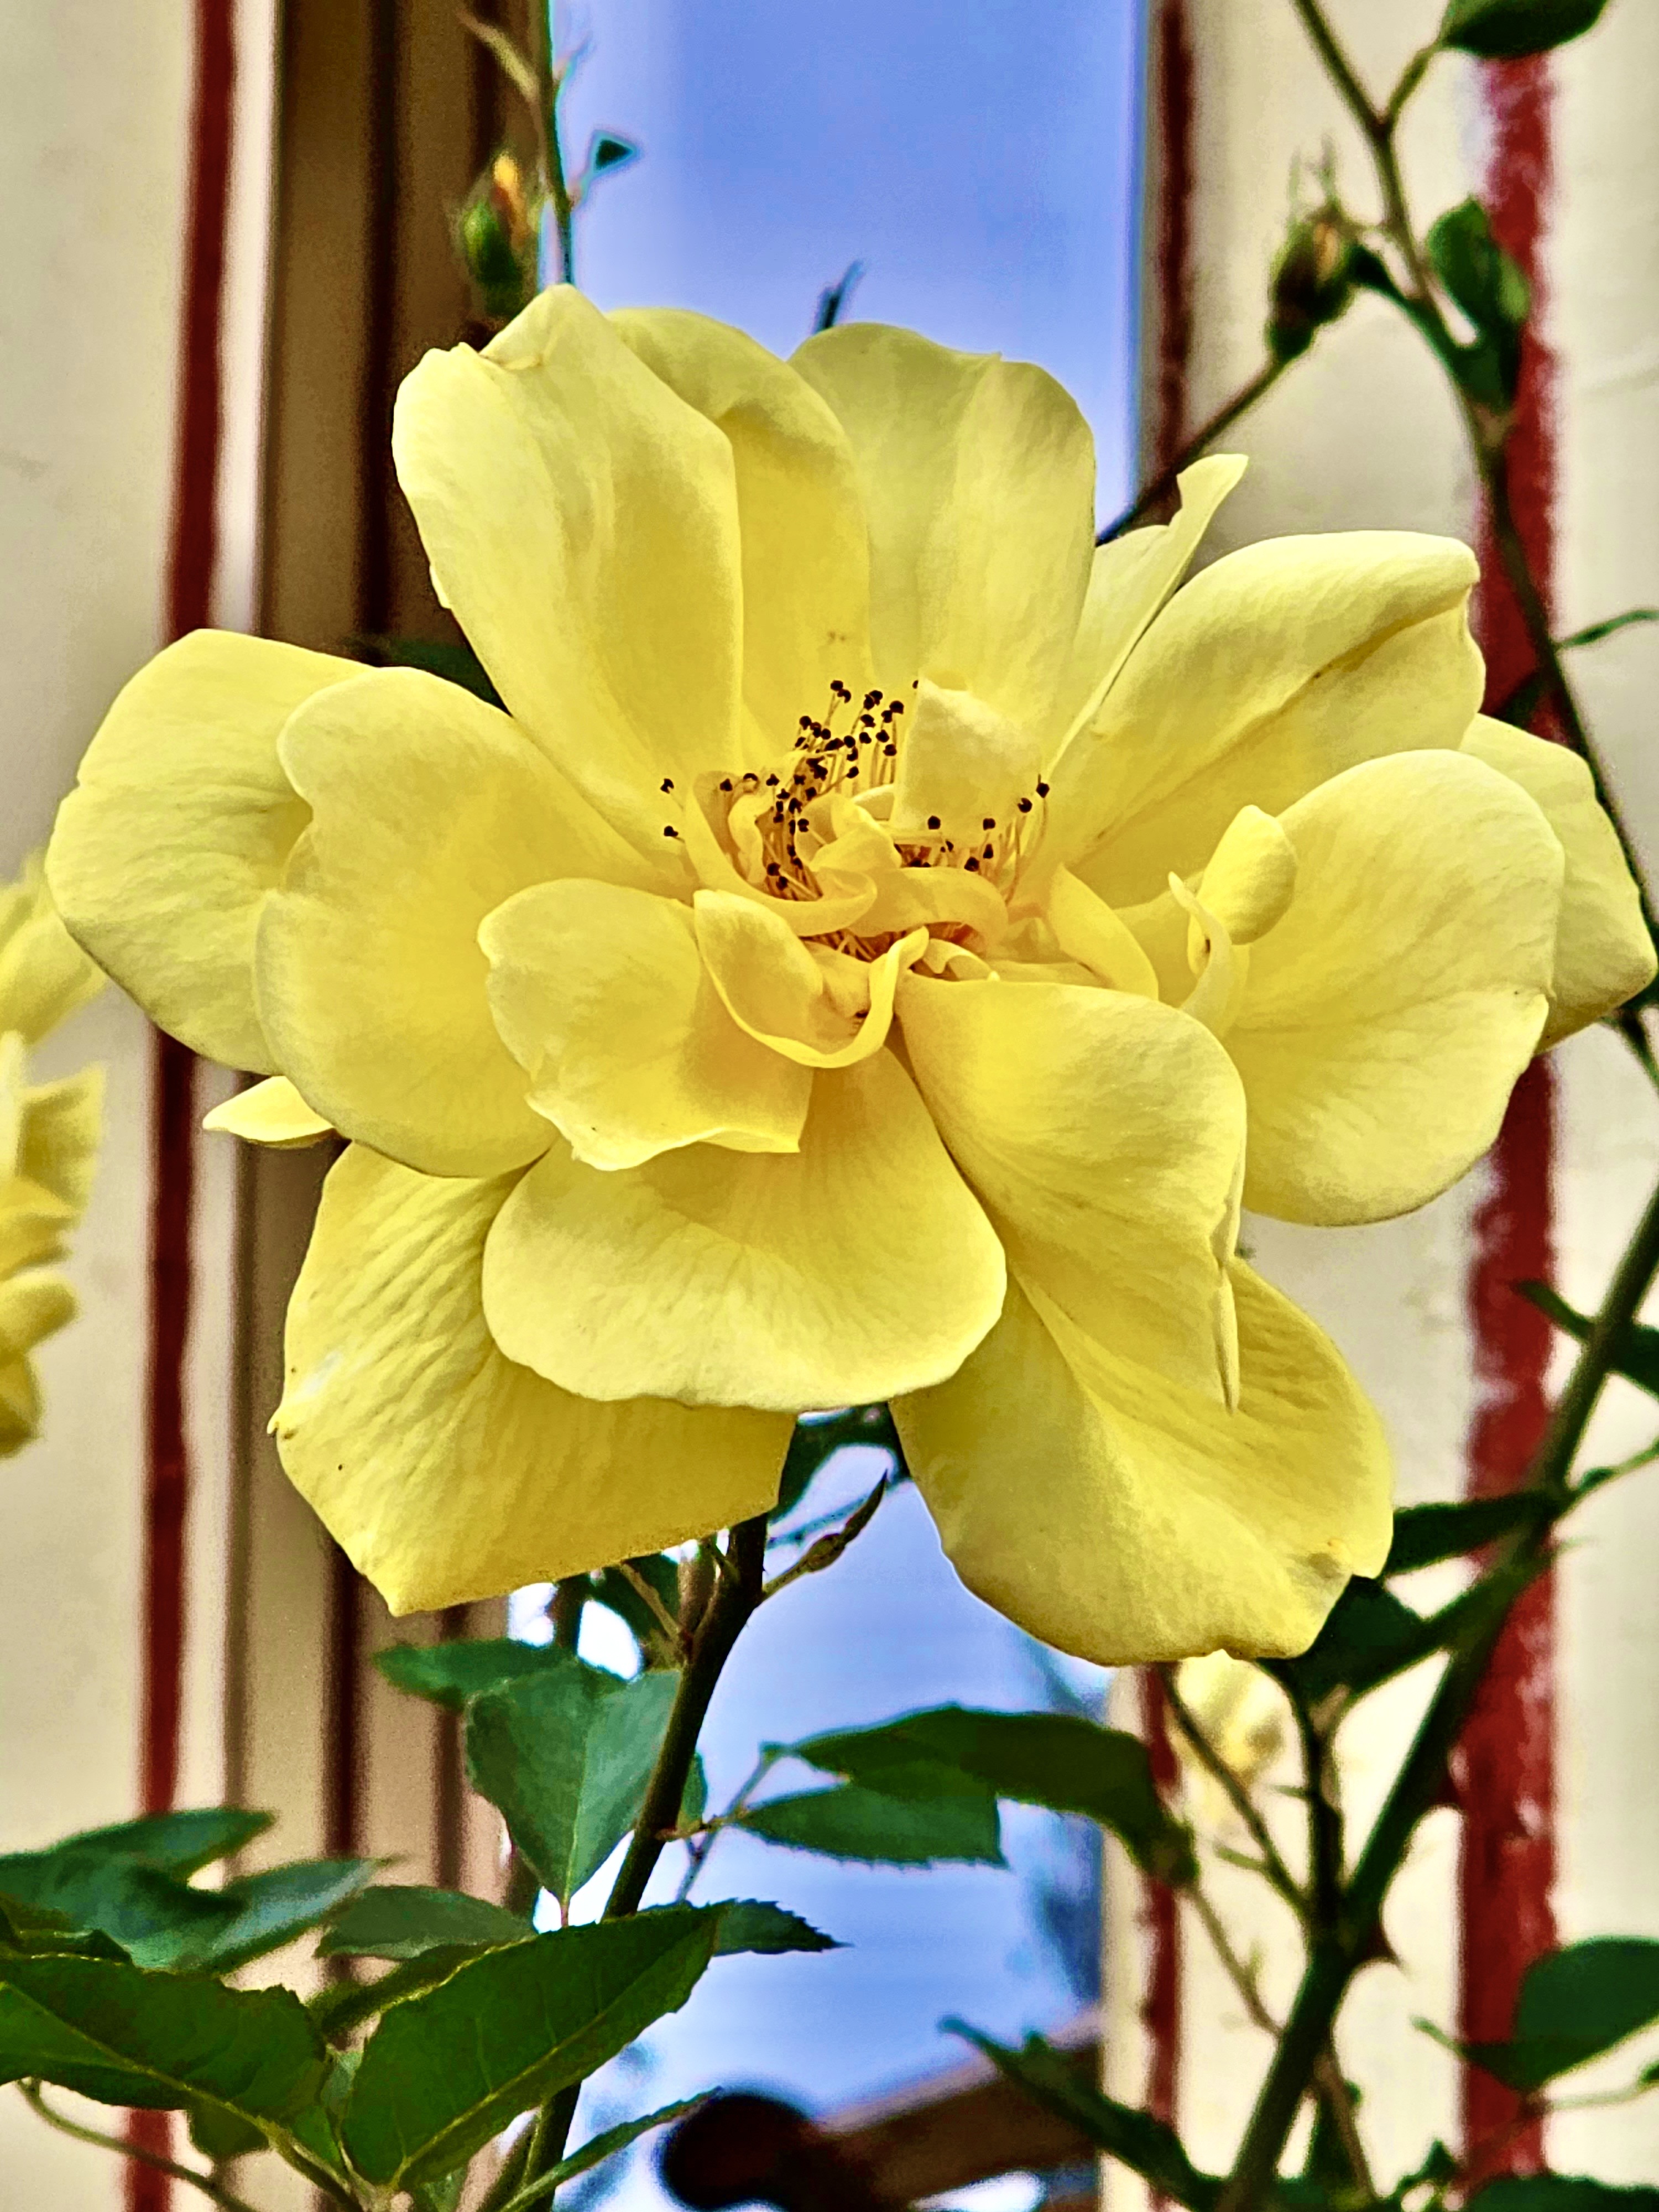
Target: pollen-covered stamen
(841,823)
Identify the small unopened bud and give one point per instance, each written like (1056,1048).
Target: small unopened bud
(1311,283)
(497,235)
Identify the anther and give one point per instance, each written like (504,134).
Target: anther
(725,783)
(873,698)
(989,823)
(932,821)
(806,721)
(668,783)
(668,831)
(1024,805)
(891,752)
(972,864)
(1043,791)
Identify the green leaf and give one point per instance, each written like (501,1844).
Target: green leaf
(606,151)
(456,664)
(1505,30)
(1370,1636)
(1057,2080)
(1060,1760)
(566,1756)
(852,1822)
(36,1928)
(317,2129)
(1575,2004)
(1492,291)
(448,1674)
(818,1439)
(1425,1535)
(1594,633)
(1560,2192)
(115,2032)
(610,1588)
(447,2071)
(1635,1355)
(693,1803)
(221,2135)
(178,1843)
(748,1925)
(344,2005)
(443,2195)
(399,1920)
(598,2149)
(158,1921)
(278,1906)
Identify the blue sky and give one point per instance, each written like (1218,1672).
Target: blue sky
(979,158)
(976,155)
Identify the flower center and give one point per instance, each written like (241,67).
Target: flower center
(887,815)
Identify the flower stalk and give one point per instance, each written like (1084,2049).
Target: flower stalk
(737,1592)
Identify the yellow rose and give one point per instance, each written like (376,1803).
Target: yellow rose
(48,1140)
(871,957)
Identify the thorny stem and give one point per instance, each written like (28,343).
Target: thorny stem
(1272,1863)
(1329,2083)
(1325,1843)
(1237,1970)
(225,2198)
(1327,1850)
(1226,416)
(1339,1952)
(737,1586)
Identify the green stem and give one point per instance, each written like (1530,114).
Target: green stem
(1325,1840)
(735,1596)
(1410,77)
(1160,486)
(549,84)
(225,2198)
(1273,1868)
(736,1593)
(564,1613)
(1339,1952)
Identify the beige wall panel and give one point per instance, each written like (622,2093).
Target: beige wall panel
(93,103)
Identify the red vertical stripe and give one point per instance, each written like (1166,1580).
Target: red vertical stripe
(1506,1762)
(1160,1914)
(1171,85)
(190,564)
